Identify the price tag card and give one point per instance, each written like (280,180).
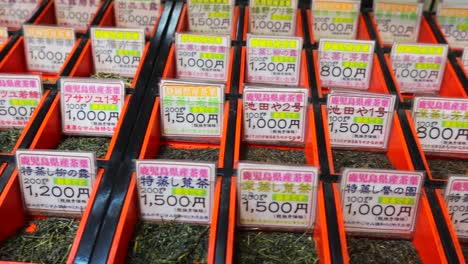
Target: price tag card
(398,22)
(268,17)
(15,13)
(442,124)
(275,115)
(137,13)
(204,57)
(117,50)
(419,68)
(465,60)
(335,19)
(47,47)
(191,110)
(175,190)
(91,106)
(456,198)
(280,197)
(346,63)
(3,36)
(453,21)
(380,201)
(19,97)
(360,120)
(76,14)
(273,60)
(55,182)
(211,16)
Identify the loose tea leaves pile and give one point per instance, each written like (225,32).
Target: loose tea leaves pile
(98,145)
(168,242)
(8,139)
(102,75)
(274,156)
(275,247)
(376,251)
(42,241)
(360,159)
(465,252)
(440,169)
(195,154)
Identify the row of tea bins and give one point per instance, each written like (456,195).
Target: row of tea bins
(376,202)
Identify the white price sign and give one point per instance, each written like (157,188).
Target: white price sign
(211,16)
(398,22)
(465,59)
(47,47)
(174,190)
(273,59)
(117,50)
(55,182)
(15,13)
(335,19)
(456,198)
(419,68)
(380,201)
(280,197)
(360,120)
(91,106)
(441,124)
(75,14)
(204,57)
(193,110)
(137,13)
(346,63)
(274,115)
(268,17)
(19,97)
(453,20)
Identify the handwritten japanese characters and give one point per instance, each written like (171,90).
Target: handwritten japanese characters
(91,107)
(380,201)
(55,182)
(282,197)
(173,190)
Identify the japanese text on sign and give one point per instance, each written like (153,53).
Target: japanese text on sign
(274,115)
(15,13)
(419,68)
(47,47)
(75,14)
(272,17)
(192,110)
(442,124)
(55,182)
(276,196)
(453,20)
(380,201)
(345,64)
(398,22)
(179,191)
(360,120)
(335,19)
(456,198)
(273,60)
(19,97)
(90,106)
(117,50)
(137,13)
(204,57)
(211,16)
